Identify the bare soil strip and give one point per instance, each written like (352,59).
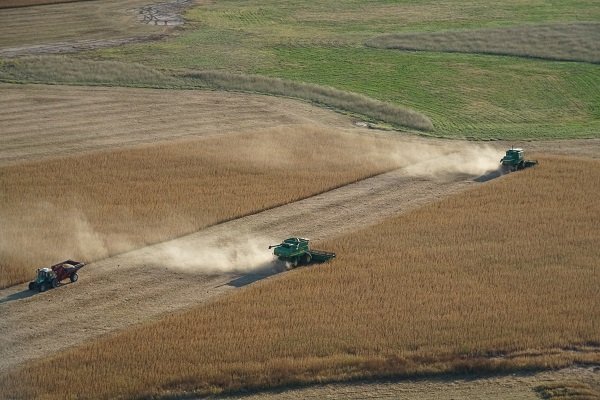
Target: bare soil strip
(123,290)
(164,14)
(73,46)
(520,386)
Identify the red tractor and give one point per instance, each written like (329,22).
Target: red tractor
(51,277)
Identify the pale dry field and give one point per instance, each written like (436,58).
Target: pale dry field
(466,292)
(71,22)
(41,121)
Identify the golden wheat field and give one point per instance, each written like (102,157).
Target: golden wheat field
(492,279)
(95,205)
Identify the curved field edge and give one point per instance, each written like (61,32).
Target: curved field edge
(561,42)
(451,287)
(316,94)
(63,70)
(465,95)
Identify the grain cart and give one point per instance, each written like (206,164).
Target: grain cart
(51,277)
(296,251)
(514,160)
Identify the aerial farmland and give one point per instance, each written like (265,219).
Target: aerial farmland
(299,199)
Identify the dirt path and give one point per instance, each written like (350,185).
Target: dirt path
(74,46)
(521,386)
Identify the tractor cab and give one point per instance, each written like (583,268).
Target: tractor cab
(291,247)
(513,157)
(297,243)
(45,275)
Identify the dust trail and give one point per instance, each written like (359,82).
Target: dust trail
(475,160)
(419,157)
(236,253)
(51,234)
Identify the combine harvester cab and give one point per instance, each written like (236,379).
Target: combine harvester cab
(49,278)
(514,160)
(296,251)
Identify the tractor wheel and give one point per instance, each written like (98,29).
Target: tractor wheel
(292,263)
(43,287)
(54,283)
(306,259)
(74,277)
(31,285)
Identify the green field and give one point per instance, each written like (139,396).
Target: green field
(468,95)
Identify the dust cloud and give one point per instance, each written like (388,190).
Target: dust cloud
(47,233)
(235,254)
(418,157)
(471,159)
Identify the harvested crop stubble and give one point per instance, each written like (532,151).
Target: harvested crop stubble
(74,20)
(96,205)
(499,278)
(569,42)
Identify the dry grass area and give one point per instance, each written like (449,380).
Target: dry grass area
(568,390)
(501,277)
(107,19)
(95,205)
(570,42)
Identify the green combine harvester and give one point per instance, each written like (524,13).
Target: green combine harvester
(296,251)
(514,160)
